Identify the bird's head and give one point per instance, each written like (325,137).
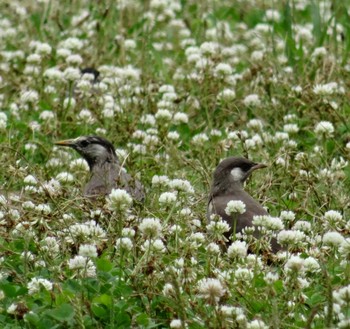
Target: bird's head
(235,170)
(94,149)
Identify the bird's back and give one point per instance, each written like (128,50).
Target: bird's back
(111,175)
(218,204)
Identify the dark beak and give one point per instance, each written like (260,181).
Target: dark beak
(258,166)
(66,142)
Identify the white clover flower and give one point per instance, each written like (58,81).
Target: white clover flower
(156,245)
(210,289)
(71,43)
(167,198)
(200,139)
(235,207)
(160,180)
(78,262)
(150,227)
(35,284)
(213,248)
(303,226)
(222,70)
(311,265)
(181,185)
(344,248)
(47,115)
(253,142)
(173,135)
(29,96)
(252,100)
(269,222)
(128,232)
(255,124)
(319,52)
(238,249)
(88,250)
(34,59)
(294,264)
(257,324)
(30,179)
(65,177)
(43,208)
(118,200)
(209,48)
(281,136)
(325,89)
(281,162)
(272,15)
(79,164)
(271,277)
(71,74)
(163,114)
(218,227)
(51,246)
(83,263)
(180,117)
(129,44)
(168,289)
(197,237)
(243,275)
(333,216)
(324,128)
(333,239)
(148,119)
(342,295)
(226,95)
(74,59)
(124,243)
(69,103)
(89,232)
(85,116)
(291,128)
(12,308)
(176,323)
(287,215)
(54,74)
(290,237)
(27,205)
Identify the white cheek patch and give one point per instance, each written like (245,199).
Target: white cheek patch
(210,207)
(237,174)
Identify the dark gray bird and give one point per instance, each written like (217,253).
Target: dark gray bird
(228,179)
(106,171)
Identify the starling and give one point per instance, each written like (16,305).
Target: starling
(227,185)
(106,171)
(91,70)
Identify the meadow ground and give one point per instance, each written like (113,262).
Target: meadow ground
(182,85)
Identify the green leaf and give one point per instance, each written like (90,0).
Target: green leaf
(64,312)
(104,265)
(12,290)
(103,299)
(142,319)
(315,299)
(99,311)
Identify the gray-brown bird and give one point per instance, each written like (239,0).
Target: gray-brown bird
(228,184)
(106,171)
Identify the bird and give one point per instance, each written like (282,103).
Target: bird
(93,71)
(228,184)
(105,169)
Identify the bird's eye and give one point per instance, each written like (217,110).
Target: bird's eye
(84,143)
(245,167)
